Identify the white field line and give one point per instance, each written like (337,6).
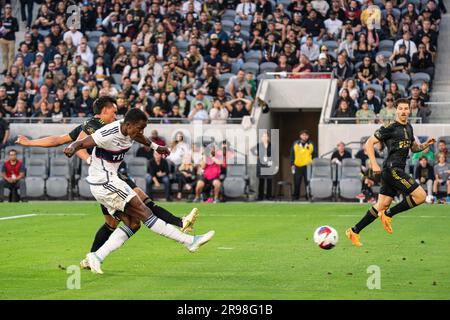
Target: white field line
(19,216)
(42,214)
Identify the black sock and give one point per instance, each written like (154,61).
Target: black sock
(371,216)
(406,204)
(101,236)
(163,214)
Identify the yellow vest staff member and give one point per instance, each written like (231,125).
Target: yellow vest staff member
(301,156)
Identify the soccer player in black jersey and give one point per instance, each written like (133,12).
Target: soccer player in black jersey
(398,137)
(105,111)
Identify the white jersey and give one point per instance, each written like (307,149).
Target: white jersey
(109,153)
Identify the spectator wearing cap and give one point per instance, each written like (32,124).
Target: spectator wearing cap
(200,97)
(323,65)
(422,61)
(301,155)
(198,113)
(235,51)
(406,41)
(236,32)
(313,26)
(245,11)
(8,28)
(333,26)
(310,49)
(387,114)
(365,115)
(11,87)
(214,42)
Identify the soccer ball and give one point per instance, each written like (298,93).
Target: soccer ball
(326,237)
(429,199)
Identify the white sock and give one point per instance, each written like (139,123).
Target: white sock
(167,230)
(114,242)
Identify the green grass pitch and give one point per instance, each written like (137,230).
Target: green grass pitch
(260,251)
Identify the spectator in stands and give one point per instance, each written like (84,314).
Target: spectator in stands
(159,174)
(425,92)
(344,112)
(263,151)
(210,169)
(179,148)
(362,155)
(422,61)
(323,65)
(301,155)
(13,176)
(340,154)
(185,176)
(4,130)
(333,25)
(424,112)
(372,100)
(83,104)
(401,60)
(313,27)
(348,45)
(238,82)
(304,66)
(387,114)
(9,26)
(427,153)
(198,113)
(365,115)
(342,70)
(442,148)
(366,73)
(424,174)
(414,107)
(239,107)
(218,113)
(310,49)
(441,179)
(383,71)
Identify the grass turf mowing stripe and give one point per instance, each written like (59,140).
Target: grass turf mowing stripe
(19,217)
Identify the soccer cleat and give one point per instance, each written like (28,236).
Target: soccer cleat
(199,241)
(353,237)
(94,263)
(84,264)
(189,220)
(386,221)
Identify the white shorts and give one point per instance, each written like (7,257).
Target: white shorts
(114,195)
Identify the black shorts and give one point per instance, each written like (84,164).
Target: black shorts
(395,180)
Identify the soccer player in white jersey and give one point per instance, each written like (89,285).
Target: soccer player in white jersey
(111,144)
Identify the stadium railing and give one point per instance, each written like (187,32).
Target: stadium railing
(76,120)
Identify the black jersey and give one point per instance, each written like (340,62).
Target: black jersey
(398,138)
(89,127)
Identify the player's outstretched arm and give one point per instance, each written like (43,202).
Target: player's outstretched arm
(370,147)
(85,143)
(83,154)
(47,142)
(165,151)
(416,147)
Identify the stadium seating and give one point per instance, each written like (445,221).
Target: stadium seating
(320,177)
(84,190)
(58,182)
(35,178)
(236,181)
(349,177)
(137,169)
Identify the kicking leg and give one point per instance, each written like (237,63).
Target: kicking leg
(137,209)
(371,215)
(186,223)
